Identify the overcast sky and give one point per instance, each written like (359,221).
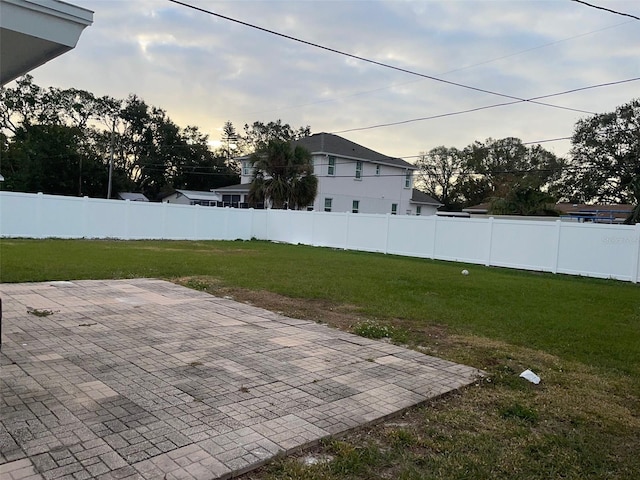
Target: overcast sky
(205,70)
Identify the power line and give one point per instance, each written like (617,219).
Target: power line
(547,140)
(367,92)
(485,107)
(607,9)
(374,62)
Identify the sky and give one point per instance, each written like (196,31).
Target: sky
(205,70)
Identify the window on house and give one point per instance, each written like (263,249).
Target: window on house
(377,170)
(355,206)
(394,208)
(327,204)
(231,200)
(246,168)
(407,179)
(310,207)
(332,166)
(419,210)
(358,170)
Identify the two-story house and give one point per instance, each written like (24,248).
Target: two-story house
(352,178)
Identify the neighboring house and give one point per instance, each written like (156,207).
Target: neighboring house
(234,195)
(32,32)
(132,197)
(423,204)
(597,213)
(353,178)
(578,212)
(479,209)
(191,197)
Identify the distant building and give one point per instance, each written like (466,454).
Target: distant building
(132,197)
(191,197)
(578,212)
(353,178)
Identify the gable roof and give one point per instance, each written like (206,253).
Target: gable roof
(133,197)
(193,194)
(418,196)
(330,144)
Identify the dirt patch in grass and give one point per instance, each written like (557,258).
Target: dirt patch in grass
(580,422)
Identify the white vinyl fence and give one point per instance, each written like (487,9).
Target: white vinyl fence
(593,250)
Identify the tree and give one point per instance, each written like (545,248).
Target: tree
(258,135)
(605,153)
(511,175)
(283,176)
(229,140)
(439,171)
(45,158)
(196,167)
(62,141)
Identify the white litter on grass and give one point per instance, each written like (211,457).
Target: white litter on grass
(316,459)
(465,272)
(532,377)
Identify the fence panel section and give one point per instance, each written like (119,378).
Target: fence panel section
(594,250)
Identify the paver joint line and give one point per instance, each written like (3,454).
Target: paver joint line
(145,379)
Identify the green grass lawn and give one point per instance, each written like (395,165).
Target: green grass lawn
(581,335)
(596,322)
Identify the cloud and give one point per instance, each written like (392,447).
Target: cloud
(205,70)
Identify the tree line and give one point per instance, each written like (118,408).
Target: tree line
(603,166)
(65,141)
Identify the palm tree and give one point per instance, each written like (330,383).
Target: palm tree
(283,176)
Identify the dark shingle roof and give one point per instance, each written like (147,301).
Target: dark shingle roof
(418,196)
(331,144)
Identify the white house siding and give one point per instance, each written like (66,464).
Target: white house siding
(425,210)
(375,193)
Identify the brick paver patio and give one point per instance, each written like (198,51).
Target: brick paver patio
(149,380)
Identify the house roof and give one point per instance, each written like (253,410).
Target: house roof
(583,207)
(418,196)
(330,144)
(598,211)
(193,194)
(480,208)
(240,187)
(575,209)
(134,197)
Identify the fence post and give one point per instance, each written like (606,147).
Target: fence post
(314,217)
(127,219)
(85,217)
(636,255)
(164,220)
(554,269)
(490,242)
(435,237)
(386,241)
(196,217)
(346,231)
(40,233)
